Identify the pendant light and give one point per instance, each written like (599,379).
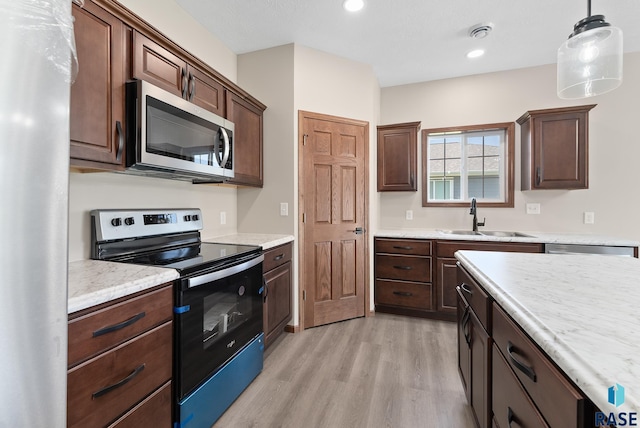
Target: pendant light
(590,61)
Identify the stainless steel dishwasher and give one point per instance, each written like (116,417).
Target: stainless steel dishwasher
(589,249)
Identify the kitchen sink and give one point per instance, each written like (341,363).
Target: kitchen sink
(499,233)
(505,234)
(460,232)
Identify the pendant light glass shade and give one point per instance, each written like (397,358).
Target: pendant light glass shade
(590,61)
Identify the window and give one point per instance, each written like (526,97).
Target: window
(468,162)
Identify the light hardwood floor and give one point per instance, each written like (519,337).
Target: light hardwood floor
(382,371)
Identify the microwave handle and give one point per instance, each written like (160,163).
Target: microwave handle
(227,147)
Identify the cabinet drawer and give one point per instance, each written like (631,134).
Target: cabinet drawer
(103,329)
(560,403)
(277,256)
(153,411)
(448,248)
(403,246)
(476,297)
(406,268)
(510,403)
(105,387)
(403,294)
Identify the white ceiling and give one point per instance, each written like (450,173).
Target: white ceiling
(409,41)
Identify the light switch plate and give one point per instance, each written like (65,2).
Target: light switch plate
(533,208)
(589,217)
(284,209)
(223,217)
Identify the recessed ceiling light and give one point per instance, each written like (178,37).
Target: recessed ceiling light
(475,53)
(353,5)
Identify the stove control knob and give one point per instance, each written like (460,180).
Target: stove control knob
(195,217)
(116,221)
(187,218)
(129,221)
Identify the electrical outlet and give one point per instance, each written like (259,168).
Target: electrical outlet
(409,215)
(223,217)
(284,209)
(533,208)
(589,217)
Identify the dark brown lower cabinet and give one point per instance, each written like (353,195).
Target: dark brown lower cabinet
(508,380)
(474,358)
(511,405)
(277,291)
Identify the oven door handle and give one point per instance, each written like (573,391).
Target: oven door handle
(223,273)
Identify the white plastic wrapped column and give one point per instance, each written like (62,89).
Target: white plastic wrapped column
(36,41)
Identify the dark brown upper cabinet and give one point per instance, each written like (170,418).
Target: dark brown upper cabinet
(397,157)
(247,117)
(97,96)
(155,64)
(555,148)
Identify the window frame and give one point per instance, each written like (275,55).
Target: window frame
(509,170)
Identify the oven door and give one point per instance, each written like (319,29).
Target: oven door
(217,314)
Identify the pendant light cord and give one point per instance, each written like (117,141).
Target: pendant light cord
(588,7)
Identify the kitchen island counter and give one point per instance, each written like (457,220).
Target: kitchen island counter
(581,310)
(93,282)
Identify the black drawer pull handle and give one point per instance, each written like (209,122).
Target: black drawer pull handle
(400,247)
(403,293)
(278,257)
(403,267)
(116,385)
(465,325)
(511,417)
(119,326)
(519,365)
(466,288)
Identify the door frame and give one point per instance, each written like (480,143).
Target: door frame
(302,114)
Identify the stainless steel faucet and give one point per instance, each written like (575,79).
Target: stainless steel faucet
(473,212)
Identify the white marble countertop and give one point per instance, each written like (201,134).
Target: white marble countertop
(582,310)
(535,237)
(92,282)
(264,240)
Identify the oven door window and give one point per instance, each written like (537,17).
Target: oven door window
(223,316)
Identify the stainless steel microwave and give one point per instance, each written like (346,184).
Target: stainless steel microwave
(170,137)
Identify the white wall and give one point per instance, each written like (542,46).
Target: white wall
(110,190)
(268,76)
(614,150)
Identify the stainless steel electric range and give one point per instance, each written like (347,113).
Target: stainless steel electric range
(218,338)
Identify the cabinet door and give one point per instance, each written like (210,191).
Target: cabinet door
(555,146)
(464,342)
(155,64)
(277,301)
(447,272)
(480,373)
(560,151)
(247,140)
(97,95)
(206,92)
(397,157)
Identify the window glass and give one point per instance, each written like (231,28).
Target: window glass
(469,162)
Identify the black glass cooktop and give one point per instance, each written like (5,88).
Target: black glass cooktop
(190,258)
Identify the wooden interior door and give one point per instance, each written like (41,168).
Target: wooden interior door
(333,202)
